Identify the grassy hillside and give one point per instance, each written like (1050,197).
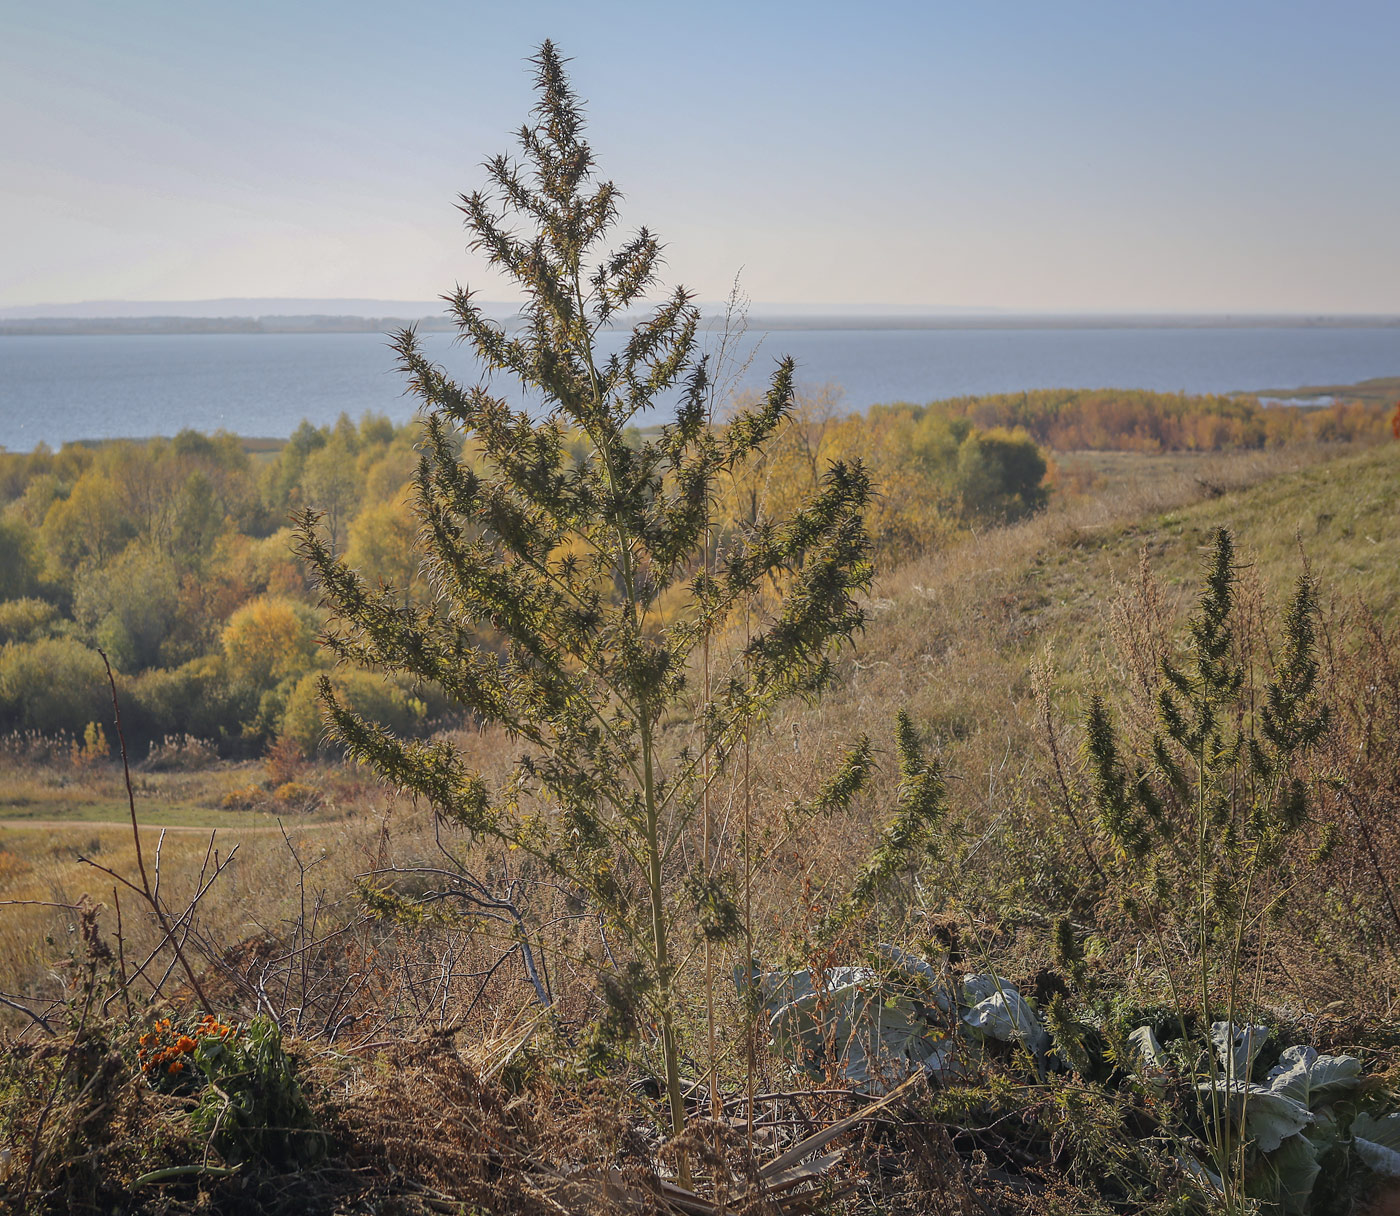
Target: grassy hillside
(955,635)
(957,631)
(392,1004)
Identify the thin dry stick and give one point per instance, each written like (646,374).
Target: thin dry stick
(121,959)
(1041,674)
(1370,847)
(37,1019)
(748,913)
(716,1109)
(140,859)
(735,326)
(184,920)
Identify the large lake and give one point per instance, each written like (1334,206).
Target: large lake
(54,389)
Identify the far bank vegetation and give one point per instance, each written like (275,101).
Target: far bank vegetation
(174,556)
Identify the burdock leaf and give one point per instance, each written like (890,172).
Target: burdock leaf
(1377,1143)
(1312,1079)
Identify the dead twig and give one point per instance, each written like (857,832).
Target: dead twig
(145,890)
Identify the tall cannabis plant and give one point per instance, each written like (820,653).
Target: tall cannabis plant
(1202,821)
(558,541)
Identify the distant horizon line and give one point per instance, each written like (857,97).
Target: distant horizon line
(327,324)
(264,308)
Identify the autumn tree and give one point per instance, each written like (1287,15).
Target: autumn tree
(330,483)
(21,559)
(269,639)
(382,546)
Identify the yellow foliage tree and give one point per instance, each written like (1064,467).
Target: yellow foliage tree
(269,639)
(383,546)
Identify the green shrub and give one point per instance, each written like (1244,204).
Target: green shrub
(195,697)
(592,562)
(24,620)
(52,685)
(249,1105)
(370,696)
(999,474)
(129,606)
(21,557)
(1206,814)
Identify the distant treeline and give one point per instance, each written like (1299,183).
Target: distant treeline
(174,555)
(1116,420)
(76,326)
(712,320)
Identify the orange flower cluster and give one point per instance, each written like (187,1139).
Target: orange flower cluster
(164,1049)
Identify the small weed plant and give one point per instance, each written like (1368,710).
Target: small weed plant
(166,1053)
(251,1106)
(1206,822)
(248,1103)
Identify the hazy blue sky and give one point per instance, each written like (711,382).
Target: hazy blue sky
(1117,155)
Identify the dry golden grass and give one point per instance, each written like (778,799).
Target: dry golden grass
(45,866)
(953,638)
(956,635)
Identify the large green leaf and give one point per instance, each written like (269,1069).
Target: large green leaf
(1312,1079)
(999,1011)
(850,1020)
(1295,1167)
(1237,1046)
(1150,1051)
(1269,1118)
(1206,1179)
(1378,1143)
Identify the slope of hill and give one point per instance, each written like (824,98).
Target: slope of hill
(956,636)
(414,1039)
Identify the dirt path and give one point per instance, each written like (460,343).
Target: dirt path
(55,824)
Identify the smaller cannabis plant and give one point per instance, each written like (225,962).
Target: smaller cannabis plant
(1206,819)
(576,571)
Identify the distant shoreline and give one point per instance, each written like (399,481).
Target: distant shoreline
(775,323)
(1380,390)
(62,388)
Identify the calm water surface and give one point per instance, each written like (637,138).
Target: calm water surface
(54,389)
